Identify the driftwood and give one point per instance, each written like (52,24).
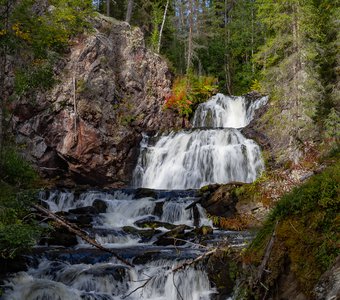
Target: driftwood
(77,231)
(266,256)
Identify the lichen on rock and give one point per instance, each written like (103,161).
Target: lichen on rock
(88,126)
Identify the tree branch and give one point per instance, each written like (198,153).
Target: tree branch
(77,231)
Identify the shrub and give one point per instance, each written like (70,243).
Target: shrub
(307,222)
(15,170)
(18,231)
(188,92)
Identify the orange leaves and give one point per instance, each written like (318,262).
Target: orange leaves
(187,92)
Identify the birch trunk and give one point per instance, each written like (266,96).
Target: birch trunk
(162,27)
(108,7)
(129,11)
(190,37)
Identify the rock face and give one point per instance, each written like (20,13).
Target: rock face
(88,127)
(328,286)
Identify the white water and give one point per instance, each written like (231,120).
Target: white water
(123,210)
(180,160)
(192,159)
(224,111)
(109,281)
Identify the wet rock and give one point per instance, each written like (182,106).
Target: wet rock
(80,220)
(146,235)
(145,193)
(100,205)
(151,222)
(222,202)
(146,257)
(222,274)
(60,237)
(119,273)
(196,215)
(171,237)
(84,210)
(159,209)
(12,266)
(204,230)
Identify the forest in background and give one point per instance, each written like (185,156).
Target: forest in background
(287,49)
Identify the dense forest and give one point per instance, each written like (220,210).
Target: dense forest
(286,50)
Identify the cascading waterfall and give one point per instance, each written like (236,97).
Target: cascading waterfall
(198,157)
(133,225)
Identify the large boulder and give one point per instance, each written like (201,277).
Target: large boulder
(88,127)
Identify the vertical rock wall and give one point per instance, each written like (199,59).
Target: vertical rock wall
(88,127)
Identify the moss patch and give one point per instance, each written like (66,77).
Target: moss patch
(308,231)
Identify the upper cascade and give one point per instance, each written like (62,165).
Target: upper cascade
(227,112)
(216,152)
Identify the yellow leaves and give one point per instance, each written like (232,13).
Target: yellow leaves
(233,223)
(20,33)
(3,32)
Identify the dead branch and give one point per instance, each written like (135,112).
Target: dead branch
(266,256)
(174,283)
(173,271)
(197,259)
(79,232)
(138,288)
(195,244)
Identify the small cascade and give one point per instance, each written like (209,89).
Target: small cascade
(226,112)
(214,152)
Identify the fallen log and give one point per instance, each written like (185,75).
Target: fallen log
(79,232)
(266,256)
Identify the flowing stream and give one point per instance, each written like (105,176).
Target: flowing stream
(135,222)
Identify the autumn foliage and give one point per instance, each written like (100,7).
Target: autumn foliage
(188,91)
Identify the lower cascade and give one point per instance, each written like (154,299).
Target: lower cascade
(136,227)
(156,229)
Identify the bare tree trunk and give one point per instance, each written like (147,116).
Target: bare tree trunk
(252,38)
(227,41)
(190,37)
(129,11)
(3,52)
(108,7)
(162,27)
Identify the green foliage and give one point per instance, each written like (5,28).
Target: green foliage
(38,38)
(188,92)
(308,222)
(157,15)
(37,76)
(15,170)
(18,232)
(332,125)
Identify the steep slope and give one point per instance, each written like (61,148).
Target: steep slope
(88,127)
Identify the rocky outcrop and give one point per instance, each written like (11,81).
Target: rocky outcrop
(328,286)
(88,127)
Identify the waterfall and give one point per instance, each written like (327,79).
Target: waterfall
(137,223)
(198,157)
